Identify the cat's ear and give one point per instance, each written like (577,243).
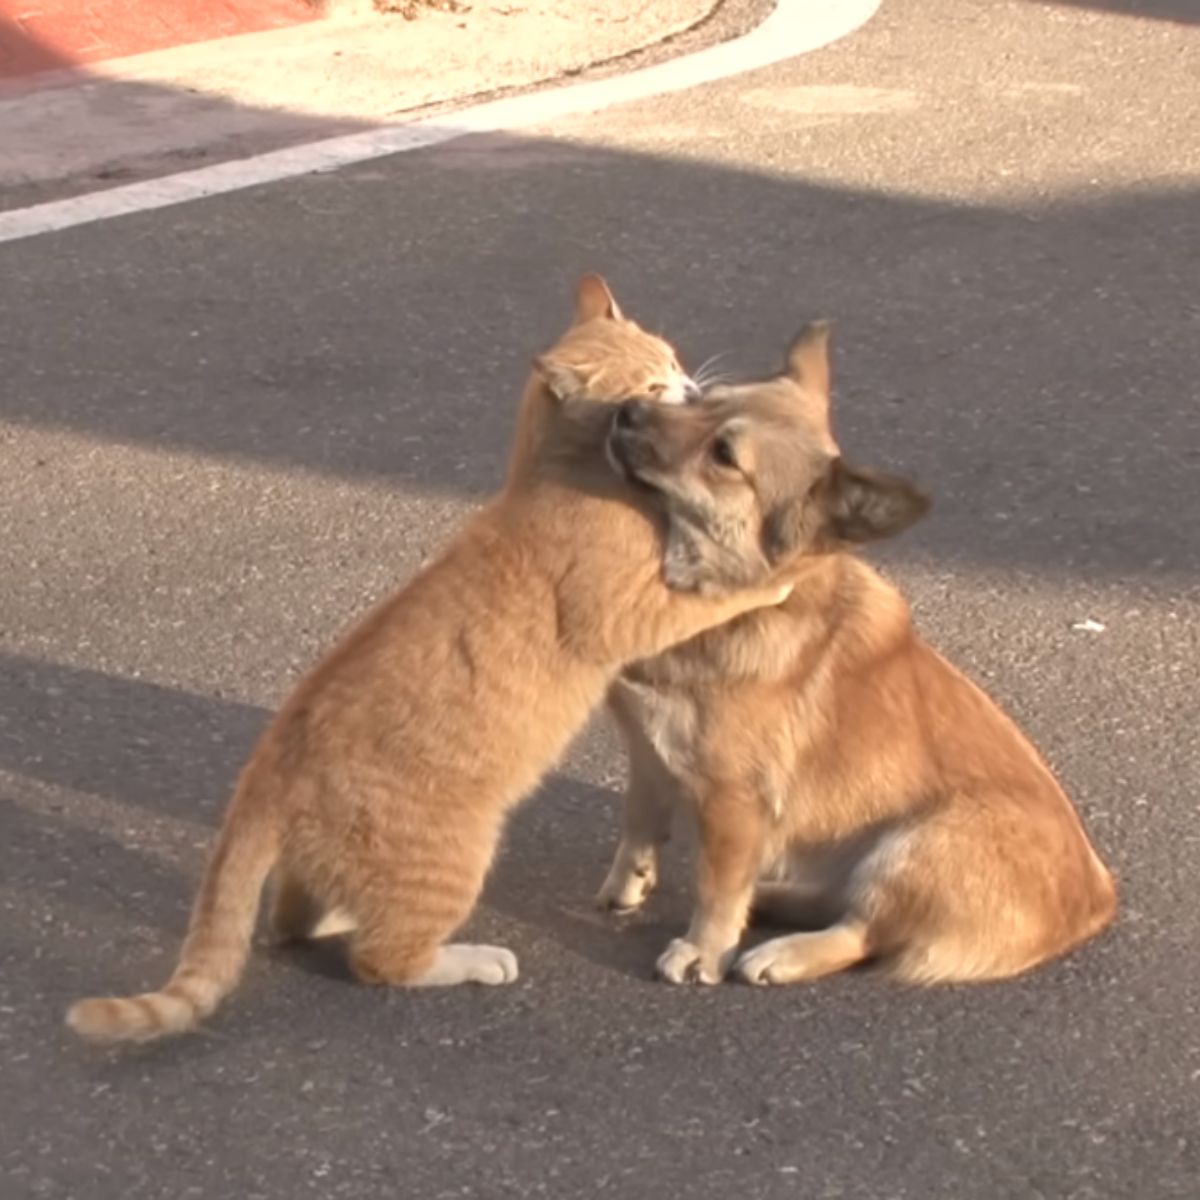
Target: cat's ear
(594,300)
(564,382)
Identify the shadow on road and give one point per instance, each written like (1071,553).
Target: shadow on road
(1023,360)
(1183,11)
(173,756)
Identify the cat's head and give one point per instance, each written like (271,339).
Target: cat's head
(604,358)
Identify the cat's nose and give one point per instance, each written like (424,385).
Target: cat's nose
(633,415)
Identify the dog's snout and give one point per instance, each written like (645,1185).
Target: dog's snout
(633,415)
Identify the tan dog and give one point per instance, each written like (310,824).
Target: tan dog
(903,817)
(381,786)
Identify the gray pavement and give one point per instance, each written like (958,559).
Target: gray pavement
(228,427)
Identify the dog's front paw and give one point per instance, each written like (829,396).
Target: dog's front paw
(683,962)
(761,966)
(627,888)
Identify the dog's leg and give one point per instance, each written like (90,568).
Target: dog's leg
(732,828)
(645,819)
(801,956)
(645,826)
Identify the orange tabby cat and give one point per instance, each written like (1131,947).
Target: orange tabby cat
(381,786)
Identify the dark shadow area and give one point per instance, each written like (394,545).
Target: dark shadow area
(175,755)
(170,752)
(1185,12)
(47,853)
(559,850)
(1027,363)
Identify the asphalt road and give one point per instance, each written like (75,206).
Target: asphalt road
(228,427)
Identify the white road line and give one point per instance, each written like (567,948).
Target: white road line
(794,28)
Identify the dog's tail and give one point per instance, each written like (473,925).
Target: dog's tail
(218,940)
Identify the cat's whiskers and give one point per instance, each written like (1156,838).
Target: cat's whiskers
(707,375)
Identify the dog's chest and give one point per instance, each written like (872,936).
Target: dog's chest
(669,721)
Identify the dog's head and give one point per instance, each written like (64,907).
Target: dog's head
(751,479)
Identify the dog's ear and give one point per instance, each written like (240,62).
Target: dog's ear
(862,505)
(789,530)
(807,361)
(563,381)
(594,300)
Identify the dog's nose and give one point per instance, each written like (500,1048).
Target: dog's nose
(633,414)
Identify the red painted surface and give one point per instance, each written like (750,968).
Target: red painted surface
(46,35)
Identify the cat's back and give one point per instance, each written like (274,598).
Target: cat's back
(474,620)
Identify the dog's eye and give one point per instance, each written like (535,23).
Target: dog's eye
(722,453)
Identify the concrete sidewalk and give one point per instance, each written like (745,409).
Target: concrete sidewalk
(158,112)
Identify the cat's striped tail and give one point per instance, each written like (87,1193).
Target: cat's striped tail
(218,940)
